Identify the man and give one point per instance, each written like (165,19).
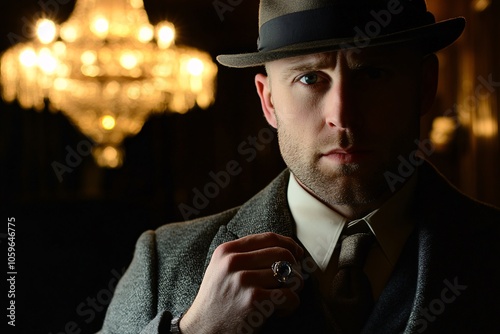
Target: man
(346,84)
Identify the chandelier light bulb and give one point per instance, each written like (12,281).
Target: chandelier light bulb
(110,153)
(46,31)
(108,122)
(88,57)
(195,66)
(109,70)
(100,27)
(145,34)
(28,57)
(128,60)
(46,61)
(165,34)
(69,33)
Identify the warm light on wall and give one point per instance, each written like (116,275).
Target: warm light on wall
(481,5)
(443,131)
(485,124)
(107,68)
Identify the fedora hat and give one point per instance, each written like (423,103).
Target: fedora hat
(289,28)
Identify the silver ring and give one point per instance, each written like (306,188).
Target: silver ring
(282,270)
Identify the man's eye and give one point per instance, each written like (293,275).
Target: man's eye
(309,79)
(373,73)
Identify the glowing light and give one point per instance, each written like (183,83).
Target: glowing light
(485,128)
(88,57)
(145,34)
(46,31)
(108,122)
(60,84)
(46,61)
(165,34)
(110,154)
(136,3)
(69,33)
(90,70)
(59,48)
(28,57)
(107,69)
(443,130)
(195,66)
(112,88)
(128,60)
(481,5)
(134,92)
(100,27)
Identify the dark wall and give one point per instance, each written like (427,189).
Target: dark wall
(74,237)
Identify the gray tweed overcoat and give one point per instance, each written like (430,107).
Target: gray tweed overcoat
(447,279)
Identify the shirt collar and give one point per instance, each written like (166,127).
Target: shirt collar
(319,227)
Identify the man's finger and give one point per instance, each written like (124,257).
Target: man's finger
(263,240)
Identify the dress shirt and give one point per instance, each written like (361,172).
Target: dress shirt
(319,227)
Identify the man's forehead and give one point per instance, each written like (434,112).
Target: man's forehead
(354,56)
(314,58)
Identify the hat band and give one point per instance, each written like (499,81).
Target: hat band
(304,26)
(334,22)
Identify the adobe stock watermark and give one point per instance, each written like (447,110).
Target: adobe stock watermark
(373,28)
(221,179)
(73,158)
(50,9)
(483,90)
(362,38)
(89,308)
(437,306)
(223,6)
(407,165)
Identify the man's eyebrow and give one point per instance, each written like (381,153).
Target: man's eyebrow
(309,65)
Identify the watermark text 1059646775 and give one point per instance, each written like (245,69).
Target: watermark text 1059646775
(11,271)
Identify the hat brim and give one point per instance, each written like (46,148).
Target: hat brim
(432,37)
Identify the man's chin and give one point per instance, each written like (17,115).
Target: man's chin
(347,185)
(339,171)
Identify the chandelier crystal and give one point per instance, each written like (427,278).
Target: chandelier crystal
(107,69)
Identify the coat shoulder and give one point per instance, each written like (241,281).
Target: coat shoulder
(446,203)
(193,231)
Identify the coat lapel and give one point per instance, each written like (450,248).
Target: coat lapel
(454,281)
(391,312)
(424,264)
(266,212)
(447,225)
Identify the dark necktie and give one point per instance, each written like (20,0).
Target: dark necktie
(352,299)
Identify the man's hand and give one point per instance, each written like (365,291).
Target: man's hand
(238,280)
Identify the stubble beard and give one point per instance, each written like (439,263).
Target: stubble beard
(341,185)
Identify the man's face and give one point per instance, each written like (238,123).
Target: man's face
(344,118)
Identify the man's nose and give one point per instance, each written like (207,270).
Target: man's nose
(339,104)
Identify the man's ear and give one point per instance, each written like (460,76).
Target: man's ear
(430,73)
(263,85)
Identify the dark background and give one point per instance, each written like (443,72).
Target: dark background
(75,237)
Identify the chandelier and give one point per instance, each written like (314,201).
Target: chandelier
(107,69)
